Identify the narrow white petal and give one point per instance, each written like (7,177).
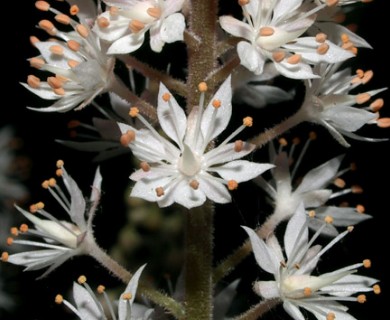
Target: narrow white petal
(267,289)
(236,27)
(172,28)
(250,58)
(215,190)
(86,305)
(187,196)
(127,44)
(226,153)
(294,238)
(293,310)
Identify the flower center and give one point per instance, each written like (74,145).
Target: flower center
(189,162)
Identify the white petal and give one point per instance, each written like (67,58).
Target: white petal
(265,258)
(211,126)
(315,198)
(241,170)
(297,71)
(156,42)
(30,258)
(284,8)
(85,303)
(60,61)
(215,190)
(293,310)
(226,153)
(266,289)
(250,58)
(44,91)
(172,28)
(146,188)
(187,196)
(343,217)
(224,299)
(87,9)
(171,6)
(350,285)
(127,44)
(236,27)
(96,186)
(117,28)
(171,116)
(295,237)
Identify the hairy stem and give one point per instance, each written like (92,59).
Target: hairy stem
(198,263)
(258,310)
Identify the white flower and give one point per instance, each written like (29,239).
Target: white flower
(273,29)
(313,191)
(329,103)
(81,69)
(89,307)
(183,171)
(295,285)
(59,240)
(127,21)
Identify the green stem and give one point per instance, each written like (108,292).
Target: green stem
(258,310)
(154,74)
(198,263)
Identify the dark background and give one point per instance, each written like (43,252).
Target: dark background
(37,131)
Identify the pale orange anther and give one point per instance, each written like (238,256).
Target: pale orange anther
(331,3)
(356,189)
(48,27)
(361,298)
(52,182)
(266,31)
(367,263)
(238,145)
(296,141)
(113,11)
(278,56)
(54,82)
(360,73)
(340,183)
(45,184)
(127,296)
(14,231)
(312,135)
(350,228)
(194,184)
(144,166)
(57,50)
(330,316)
(34,40)
(127,138)
(73,45)
(74,10)
(323,48)
(136,26)
(4,256)
(100,289)
(103,22)
(59,163)
(62,18)
(160,191)
(166,96)
(283,142)
(23,228)
(9,241)
(377,289)
(329,219)
(321,37)
(37,63)
(360,208)
(58,299)
(294,59)
(82,30)
(202,87)
(82,279)
(33,81)
(243,2)
(383,123)
(347,45)
(134,111)
(59,91)
(344,38)
(59,172)
(367,76)
(216,103)
(362,97)
(247,121)
(42,5)
(377,104)
(307,292)
(40,205)
(356,80)
(232,185)
(154,12)
(73,63)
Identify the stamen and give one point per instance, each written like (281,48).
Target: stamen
(367,76)
(33,81)
(377,105)
(34,40)
(145,166)
(103,22)
(134,111)
(42,5)
(243,2)
(278,56)
(136,26)
(52,183)
(359,72)
(9,241)
(48,27)
(62,18)
(323,48)
(59,299)
(57,50)
(59,163)
(330,316)
(166,96)
(362,98)
(4,256)
(82,30)
(321,37)
(377,289)
(194,184)
(247,122)
(159,191)
(311,214)
(82,279)
(54,82)
(154,12)
(307,292)
(283,142)
(340,183)
(74,10)
(294,59)
(383,122)
(357,189)
(266,31)
(216,103)
(127,138)
(331,3)
(23,228)
(360,208)
(100,289)
(14,231)
(59,91)
(113,11)
(202,87)
(127,296)
(367,263)
(350,228)
(329,219)
(232,185)
(238,145)
(73,63)
(59,172)
(361,298)
(73,45)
